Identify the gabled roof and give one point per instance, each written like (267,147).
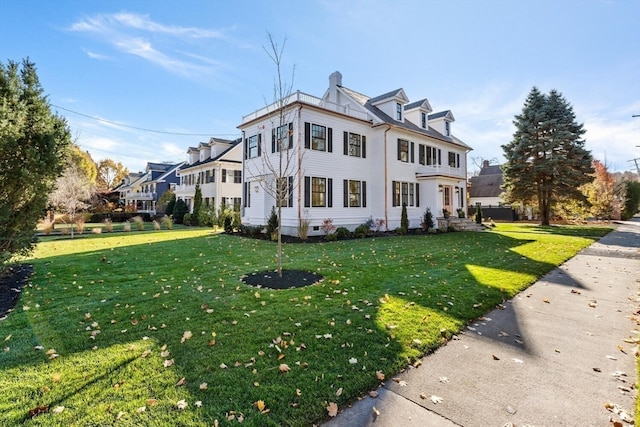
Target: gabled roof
(407,124)
(423,104)
(447,114)
(168,172)
(394,94)
(158,166)
(220,156)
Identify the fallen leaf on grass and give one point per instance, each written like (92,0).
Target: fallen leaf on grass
(141,409)
(38,410)
(198,404)
(353,361)
(339,391)
(182,404)
(332,409)
(8,337)
(379,376)
(168,363)
(187,335)
(181,382)
(223,366)
(204,386)
(284,367)
(58,409)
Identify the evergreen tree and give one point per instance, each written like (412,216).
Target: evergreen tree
(197,204)
(34,144)
(179,211)
(171,204)
(404,219)
(546,160)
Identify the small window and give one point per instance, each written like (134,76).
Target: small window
(237,177)
(354,145)
(355,194)
(447,128)
(423,120)
(454,160)
(398,111)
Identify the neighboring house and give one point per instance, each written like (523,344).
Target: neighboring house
(357,158)
(139,192)
(217,166)
(485,188)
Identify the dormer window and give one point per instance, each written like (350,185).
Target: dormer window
(447,128)
(398,111)
(423,120)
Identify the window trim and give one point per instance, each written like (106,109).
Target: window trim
(403,152)
(347,151)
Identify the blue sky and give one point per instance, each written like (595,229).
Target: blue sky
(196,67)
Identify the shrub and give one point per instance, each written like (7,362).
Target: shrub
(236,222)
(171,204)
(404,219)
(331,237)
(327,226)
(342,233)
(228,224)
(206,217)
(380,223)
(96,230)
(108,225)
(47,225)
(401,231)
(251,231)
(156,225)
(362,230)
(126,226)
(186,219)
(272,222)
(303,230)
(139,222)
(427,220)
(167,222)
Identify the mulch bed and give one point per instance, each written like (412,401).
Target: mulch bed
(12,280)
(290,279)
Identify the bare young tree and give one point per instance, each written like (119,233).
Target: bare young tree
(72,191)
(280,167)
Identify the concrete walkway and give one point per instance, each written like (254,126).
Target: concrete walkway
(552,356)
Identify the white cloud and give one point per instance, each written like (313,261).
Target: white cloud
(131,33)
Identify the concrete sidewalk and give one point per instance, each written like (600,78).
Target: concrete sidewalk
(552,356)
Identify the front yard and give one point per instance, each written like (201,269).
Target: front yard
(157,328)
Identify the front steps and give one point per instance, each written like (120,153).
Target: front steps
(458,224)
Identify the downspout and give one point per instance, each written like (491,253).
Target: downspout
(386,182)
(245,185)
(299,172)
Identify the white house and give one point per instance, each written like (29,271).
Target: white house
(217,166)
(352,158)
(485,188)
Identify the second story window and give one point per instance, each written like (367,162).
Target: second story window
(237,177)
(454,159)
(253,146)
(355,145)
(282,137)
(423,120)
(398,111)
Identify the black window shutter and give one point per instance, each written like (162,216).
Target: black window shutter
(307,135)
(421,154)
(364,194)
(364,147)
(246,149)
(290,136)
(346,143)
(412,150)
(399,151)
(417,195)
(457,160)
(393,193)
(307,191)
(259,144)
(290,188)
(224,175)
(273,140)
(439,156)
(329,192)
(345,191)
(330,140)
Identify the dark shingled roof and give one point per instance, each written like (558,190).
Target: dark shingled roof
(209,160)
(385,96)
(488,183)
(438,115)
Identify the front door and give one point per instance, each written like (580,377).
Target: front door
(447,201)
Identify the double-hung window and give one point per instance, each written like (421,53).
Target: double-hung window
(282,137)
(284,192)
(253,146)
(355,145)
(355,193)
(429,156)
(423,120)
(318,192)
(398,111)
(405,193)
(318,137)
(403,150)
(237,177)
(454,159)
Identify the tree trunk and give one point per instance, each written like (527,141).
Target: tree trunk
(279,239)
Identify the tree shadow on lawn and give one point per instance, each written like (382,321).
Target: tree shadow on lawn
(354,294)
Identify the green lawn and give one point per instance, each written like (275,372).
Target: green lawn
(104,316)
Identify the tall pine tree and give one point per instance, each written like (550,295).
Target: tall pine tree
(546,160)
